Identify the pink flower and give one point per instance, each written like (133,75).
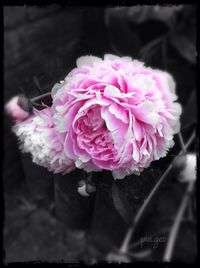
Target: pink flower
(14,109)
(38,137)
(116,114)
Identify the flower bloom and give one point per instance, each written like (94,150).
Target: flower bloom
(115,114)
(16,112)
(38,137)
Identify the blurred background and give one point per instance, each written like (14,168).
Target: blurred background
(41,45)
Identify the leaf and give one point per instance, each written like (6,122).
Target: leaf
(121,204)
(184,46)
(140,14)
(165,14)
(189,116)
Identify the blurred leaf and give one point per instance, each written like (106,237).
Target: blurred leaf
(121,204)
(147,50)
(166,14)
(189,116)
(140,14)
(184,46)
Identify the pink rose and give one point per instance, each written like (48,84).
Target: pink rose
(38,137)
(15,110)
(116,114)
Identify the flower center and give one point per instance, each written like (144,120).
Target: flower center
(92,133)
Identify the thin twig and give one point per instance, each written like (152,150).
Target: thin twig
(38,104)
(40,97)
(44,105)
(126,241)
(189,141)
(175,227)
(182,142)
(131,230)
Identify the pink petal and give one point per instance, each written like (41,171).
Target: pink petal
(111,91)
(119,112)
(145,113)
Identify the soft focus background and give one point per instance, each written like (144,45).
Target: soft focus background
(41,45)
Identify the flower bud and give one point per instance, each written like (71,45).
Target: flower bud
(25,103)
(17,108)
(82,190)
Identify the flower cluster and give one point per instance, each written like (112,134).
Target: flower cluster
(37,136)
(113,113)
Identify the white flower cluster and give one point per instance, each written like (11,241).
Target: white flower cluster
(35,139)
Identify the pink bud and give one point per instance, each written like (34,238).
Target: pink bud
(15,110)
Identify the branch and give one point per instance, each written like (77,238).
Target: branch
(175,227)
(126,241)
(40,97)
